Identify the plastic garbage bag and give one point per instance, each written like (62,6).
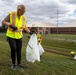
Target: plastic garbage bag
(74,57)
(41,50)
(32,52)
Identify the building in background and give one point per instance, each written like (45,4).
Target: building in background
(42,27)
(69,28)
(49,28)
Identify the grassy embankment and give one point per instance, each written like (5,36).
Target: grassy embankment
(51,63)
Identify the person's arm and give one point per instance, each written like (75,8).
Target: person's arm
(6,21)
(27,30)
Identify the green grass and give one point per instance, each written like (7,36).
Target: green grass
(50,64)
(62,36)
(60,45)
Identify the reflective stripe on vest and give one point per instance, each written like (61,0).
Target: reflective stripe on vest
(14,18)
(13,22)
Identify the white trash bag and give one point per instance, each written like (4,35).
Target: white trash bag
(74,57)
(41,50)
(32,52)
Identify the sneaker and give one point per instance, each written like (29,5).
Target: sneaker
(20,67)
(13,67)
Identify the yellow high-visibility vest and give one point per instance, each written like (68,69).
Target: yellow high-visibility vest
(72,52)
(39,37)
(19,23)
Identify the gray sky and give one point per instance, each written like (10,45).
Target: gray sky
(42,10)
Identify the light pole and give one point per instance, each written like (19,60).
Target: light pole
(57,18)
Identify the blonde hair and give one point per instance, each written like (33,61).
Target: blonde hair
(22,7)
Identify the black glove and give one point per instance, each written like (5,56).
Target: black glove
(38,40)
(13,27)
(30,33)
(28,36)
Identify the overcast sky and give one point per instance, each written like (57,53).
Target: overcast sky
(42,10)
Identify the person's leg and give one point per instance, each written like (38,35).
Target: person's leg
(12,44)
(19,47)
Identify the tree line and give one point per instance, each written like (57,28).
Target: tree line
(3,28)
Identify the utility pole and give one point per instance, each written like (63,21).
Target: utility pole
(57,18)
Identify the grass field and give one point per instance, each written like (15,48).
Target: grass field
(50,64)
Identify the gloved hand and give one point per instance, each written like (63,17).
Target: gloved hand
(32,32)
(38,40)
(13,27)
(28,36)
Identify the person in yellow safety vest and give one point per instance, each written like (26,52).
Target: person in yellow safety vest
(39,38)
(16,23)
(72,53)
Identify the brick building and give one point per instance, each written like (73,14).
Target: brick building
(69,28)
(47,28)
(42,27)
